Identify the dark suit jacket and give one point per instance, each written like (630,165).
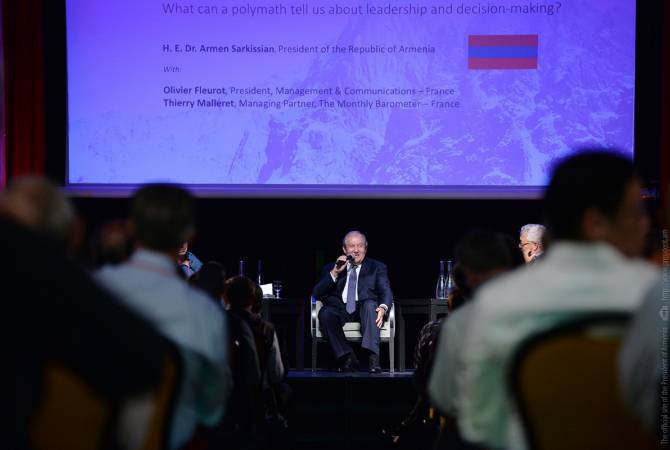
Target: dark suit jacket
(373,283)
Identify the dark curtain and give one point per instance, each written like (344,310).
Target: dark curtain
(23,37)
(665,115)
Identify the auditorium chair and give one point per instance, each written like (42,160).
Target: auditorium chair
(71,416)
(164,398)
(566,388)
(352,331)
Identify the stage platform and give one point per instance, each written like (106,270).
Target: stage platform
(328,374)
(333,410)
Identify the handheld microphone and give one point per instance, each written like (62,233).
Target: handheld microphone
(341,262)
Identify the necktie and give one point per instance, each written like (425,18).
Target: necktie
(351,290)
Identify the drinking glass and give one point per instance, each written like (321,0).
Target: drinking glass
(276,288)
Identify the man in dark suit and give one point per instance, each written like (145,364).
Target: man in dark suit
(354,289)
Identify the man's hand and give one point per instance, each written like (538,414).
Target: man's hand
(337,270)
(380,316)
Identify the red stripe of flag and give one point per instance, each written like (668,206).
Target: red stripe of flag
(509,40)
(502,63)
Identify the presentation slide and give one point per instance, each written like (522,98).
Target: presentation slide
(372,96)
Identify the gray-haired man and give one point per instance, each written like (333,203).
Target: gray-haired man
(531,242)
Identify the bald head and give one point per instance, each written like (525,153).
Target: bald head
(354,234)
(356,245)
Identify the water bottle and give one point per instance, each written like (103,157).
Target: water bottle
(451,284)
(241,271)
(441,289)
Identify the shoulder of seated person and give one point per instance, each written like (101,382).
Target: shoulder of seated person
(377,263)
(506,285)
(199,298)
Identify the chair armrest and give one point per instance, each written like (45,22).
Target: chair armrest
(313,316)
(391,314)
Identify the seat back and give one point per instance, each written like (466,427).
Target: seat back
(244,403)
(72,416)
(566,388)
(164,400)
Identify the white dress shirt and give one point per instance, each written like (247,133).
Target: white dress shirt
(572,279)
(149,285)
(345,292)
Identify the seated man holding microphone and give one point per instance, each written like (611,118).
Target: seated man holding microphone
(354,289)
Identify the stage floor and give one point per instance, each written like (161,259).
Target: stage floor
(308,374)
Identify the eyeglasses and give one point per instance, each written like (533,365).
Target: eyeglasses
(523,244)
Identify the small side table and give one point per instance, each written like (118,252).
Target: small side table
(431,308)
(284,312)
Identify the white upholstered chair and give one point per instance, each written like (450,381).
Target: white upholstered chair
(352,331)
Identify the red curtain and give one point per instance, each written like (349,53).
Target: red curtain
(24,86)
(3,161)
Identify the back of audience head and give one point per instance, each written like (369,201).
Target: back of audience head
(258,299)
(240,293)
(39,204)
(480,256)
(162,217)
(596,196)
(211,279)
(111,244)
(531,241)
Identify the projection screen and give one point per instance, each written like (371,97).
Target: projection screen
(377,98)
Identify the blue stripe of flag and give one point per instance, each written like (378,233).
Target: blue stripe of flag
(502,52)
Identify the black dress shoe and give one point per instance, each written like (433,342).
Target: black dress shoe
(373,363)
(349,364)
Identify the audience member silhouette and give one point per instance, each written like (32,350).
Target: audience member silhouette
(59,316)
(480,256)
(111,244)
(151,284)
(597,226)
(239,427)
(40,205)
(241,295)
(211,279)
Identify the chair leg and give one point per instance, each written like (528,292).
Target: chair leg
(313,355)
(392,354)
